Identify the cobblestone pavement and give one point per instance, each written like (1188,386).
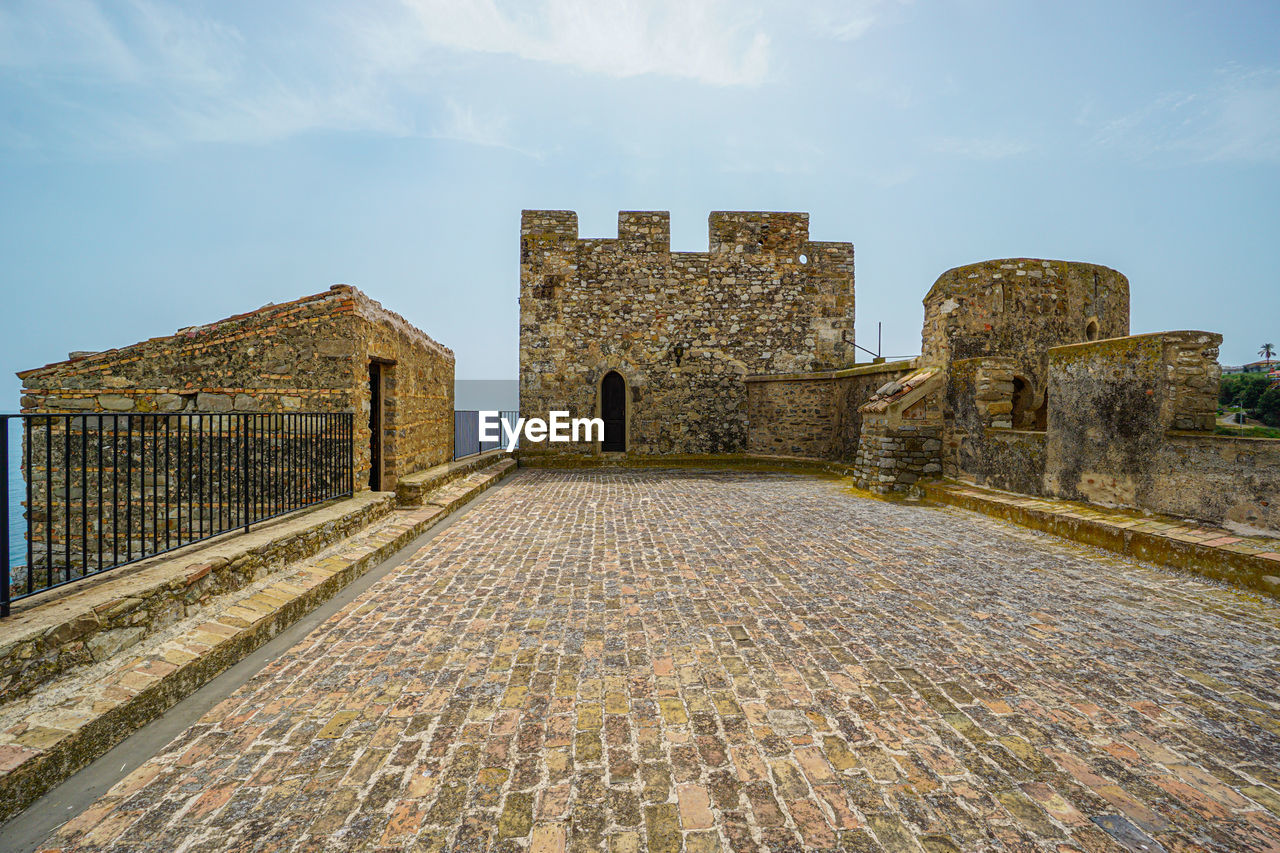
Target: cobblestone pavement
(679,660)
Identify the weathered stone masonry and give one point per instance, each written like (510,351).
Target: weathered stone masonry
(814,414)
(1035,387)
(990,325)
(1132,425)
(901,436)
(683,329)
(312,354)
(1018,308)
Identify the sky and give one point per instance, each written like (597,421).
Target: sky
(166,164)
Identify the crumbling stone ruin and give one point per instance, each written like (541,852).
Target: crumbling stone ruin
(1028,379)
(901,434)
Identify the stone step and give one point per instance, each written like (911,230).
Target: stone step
(454,493)
(58,631)
(412,489)
(1250,562)
(47,736)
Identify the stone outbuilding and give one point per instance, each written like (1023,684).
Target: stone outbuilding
(336,351)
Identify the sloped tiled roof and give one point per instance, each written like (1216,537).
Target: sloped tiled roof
(891,392)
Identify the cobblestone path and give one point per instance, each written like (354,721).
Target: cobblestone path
(679,660)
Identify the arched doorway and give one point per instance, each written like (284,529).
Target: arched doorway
(613,411)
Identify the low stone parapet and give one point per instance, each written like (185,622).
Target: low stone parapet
(55,632)
(896,459)
(1249,562)
(813,414)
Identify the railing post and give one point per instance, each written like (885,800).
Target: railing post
(244,469)
(4,519)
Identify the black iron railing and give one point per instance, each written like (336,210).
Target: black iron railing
(466,432)
(105,490)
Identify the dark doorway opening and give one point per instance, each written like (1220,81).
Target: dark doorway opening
(376,417)
(613,411)
(1026,415)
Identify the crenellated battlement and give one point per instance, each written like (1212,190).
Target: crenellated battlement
(730,233)
(558,224)
(645,230)
(758,231)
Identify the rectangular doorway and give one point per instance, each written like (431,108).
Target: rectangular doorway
(377,416)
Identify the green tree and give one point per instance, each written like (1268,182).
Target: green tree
(1229,390)
(1269,407)
(1268,352)
(1252,386)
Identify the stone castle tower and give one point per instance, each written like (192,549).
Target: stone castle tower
(657,342)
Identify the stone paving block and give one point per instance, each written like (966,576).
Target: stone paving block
(47,736)
(687,661)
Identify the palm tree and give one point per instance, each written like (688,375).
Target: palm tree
(1268,351)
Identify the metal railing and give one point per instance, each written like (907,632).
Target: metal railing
(106,490)
(466,432)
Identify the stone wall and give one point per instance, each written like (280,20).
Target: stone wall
(683,329)
(794,417)
(1131,425)
(417,388)
(132,474)
(902,429)
(1234,482)
(895,458)
(311,354)
(813,414)
(1012,460)
(291,357)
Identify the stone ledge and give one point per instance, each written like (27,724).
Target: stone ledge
(856,370)
(411,489)
(1252,563)
(457,492)
(732,461)
(47,737)
(53,633)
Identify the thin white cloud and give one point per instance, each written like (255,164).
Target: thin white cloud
(139,74)
(715,42)
(192,50)
(1234,117)
(981,147)
(849,20)
(462,123)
